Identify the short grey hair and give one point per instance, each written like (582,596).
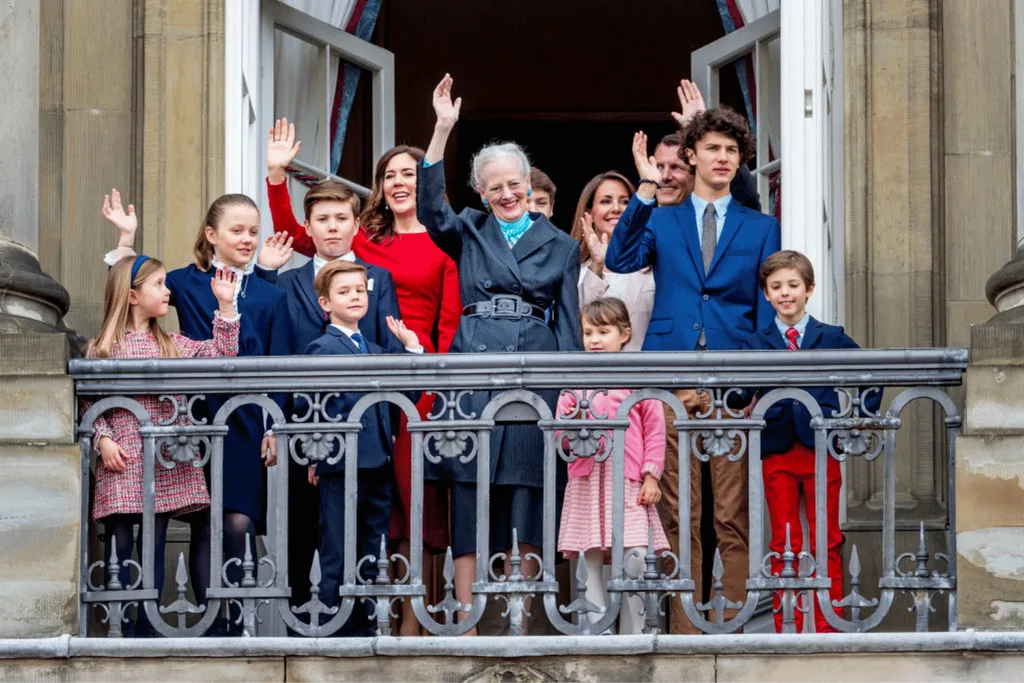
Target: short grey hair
(493,152)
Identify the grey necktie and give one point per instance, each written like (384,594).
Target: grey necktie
(708,242)
(709,237)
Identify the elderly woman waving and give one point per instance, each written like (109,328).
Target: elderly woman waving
(518,278)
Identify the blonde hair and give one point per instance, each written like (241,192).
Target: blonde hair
(116,309)
(203,249)
(322,284)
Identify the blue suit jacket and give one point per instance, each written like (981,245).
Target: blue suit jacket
(375,440)
(309,320)
(788,420)
(726,302)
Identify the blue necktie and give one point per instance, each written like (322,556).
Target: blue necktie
(360,342)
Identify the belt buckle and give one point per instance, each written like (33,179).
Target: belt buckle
(505,306)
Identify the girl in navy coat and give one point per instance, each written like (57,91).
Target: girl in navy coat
(227,238)
(514,267)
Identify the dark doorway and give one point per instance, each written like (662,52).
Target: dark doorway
(571,80)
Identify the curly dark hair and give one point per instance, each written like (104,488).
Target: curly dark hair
(722,120)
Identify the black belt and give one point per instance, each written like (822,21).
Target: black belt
(505,306)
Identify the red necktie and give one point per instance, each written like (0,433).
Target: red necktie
(791,336)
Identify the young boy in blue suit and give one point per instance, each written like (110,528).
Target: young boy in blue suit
(341,288)
(787,441)
(332,211)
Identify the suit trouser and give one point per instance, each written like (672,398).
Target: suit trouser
(373,519)
(730,489)
(785,475)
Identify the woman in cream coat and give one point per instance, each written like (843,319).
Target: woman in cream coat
(601,203)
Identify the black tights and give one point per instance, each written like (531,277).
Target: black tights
(121,535)
(236,525)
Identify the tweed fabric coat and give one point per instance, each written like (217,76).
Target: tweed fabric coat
(543,268)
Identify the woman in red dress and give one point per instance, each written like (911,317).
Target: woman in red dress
(427,285)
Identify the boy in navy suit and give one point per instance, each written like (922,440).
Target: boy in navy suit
(332,210)
(787,441)
(341,288)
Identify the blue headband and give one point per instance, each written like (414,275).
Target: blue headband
(139,260)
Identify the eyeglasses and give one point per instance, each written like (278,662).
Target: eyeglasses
(513,186)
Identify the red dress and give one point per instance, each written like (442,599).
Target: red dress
(427,285)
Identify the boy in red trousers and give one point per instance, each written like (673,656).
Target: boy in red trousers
(787,442)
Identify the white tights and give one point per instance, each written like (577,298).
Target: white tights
(631,614)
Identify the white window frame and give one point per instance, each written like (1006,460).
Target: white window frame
(249,91)
(707,62)
(811,132)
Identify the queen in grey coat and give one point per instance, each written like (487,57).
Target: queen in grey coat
(518,279)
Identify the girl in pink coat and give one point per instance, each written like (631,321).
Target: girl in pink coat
(586,525)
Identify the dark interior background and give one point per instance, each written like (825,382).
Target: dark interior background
(570,80)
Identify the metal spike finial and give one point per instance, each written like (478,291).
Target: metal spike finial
(922,557)
(515,561)
(181,606)
(581,605)
(248,566)
(449,605)
(718,602)
(314,607)
(382,578)
(788,558)
(651,572)
(114,570)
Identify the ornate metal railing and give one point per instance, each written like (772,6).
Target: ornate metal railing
(511,381)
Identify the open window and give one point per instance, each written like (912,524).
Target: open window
(335,87)
(799,109)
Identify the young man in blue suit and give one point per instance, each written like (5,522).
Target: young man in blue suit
(787,441)
(332,211)
(705,254)
(341,288)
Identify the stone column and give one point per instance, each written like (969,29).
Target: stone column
(29,299)
(40,497)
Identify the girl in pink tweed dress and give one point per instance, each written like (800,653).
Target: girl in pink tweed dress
(586,524)
(135,298)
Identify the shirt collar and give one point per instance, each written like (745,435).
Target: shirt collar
(700,204)
(801,326)
(347,331)
(240,271)
(319,263)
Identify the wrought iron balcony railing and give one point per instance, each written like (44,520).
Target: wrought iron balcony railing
(510,381)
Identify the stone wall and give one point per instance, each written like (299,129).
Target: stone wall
(40,489)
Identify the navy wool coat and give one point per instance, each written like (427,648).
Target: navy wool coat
(542,268)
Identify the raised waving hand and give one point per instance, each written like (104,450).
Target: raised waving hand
(691,102)
(282,148)
(447,112)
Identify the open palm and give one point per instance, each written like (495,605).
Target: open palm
(125,221)
(281,145)
(447,112)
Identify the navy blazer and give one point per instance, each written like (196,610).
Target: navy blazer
(309,320)
(376,438)
(726,302)
(788,420)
